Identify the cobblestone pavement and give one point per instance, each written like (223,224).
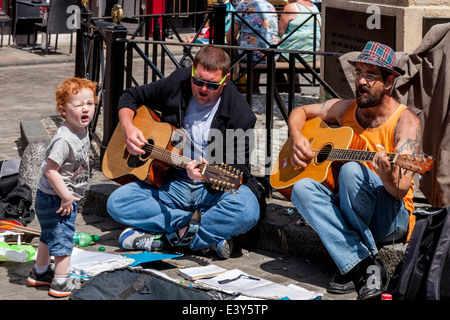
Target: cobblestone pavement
(27,92)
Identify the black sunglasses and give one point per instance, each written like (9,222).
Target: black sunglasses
(210,85)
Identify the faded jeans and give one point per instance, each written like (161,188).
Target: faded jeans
(170,207)
(352,223)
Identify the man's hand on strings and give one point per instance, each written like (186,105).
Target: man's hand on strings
(194,170)
(301,151)
(382,165)
(134,140)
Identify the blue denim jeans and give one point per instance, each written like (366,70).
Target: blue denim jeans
(170,207)
(57,231)
(351,223)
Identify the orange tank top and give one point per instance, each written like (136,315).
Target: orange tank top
(377,139)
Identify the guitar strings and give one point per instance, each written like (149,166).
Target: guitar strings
(346,154)
(168,156)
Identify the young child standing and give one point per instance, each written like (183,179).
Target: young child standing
(62,185)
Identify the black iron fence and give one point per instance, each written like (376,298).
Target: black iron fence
(106,52)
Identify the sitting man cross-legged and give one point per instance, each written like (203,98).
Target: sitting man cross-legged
(374,201)
(218,125)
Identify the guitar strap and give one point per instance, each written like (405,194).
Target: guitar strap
(185,235)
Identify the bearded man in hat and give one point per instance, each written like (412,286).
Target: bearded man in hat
(374,202)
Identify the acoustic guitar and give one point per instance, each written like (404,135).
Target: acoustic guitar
(164,149)
(332,147)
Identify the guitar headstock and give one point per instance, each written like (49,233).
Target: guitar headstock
(420,164)
(223,177)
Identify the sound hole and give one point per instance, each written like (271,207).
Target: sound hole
(139,160)
(323,154)
(148,149)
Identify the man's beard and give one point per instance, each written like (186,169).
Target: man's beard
(370,99)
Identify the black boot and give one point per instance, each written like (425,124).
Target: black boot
(374,280)
(344,283)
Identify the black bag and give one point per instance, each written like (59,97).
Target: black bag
(17,205)
(9,176)
(135,284)
(424,272)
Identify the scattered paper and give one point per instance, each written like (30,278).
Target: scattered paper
(86,264)
(237,282)
(196,273)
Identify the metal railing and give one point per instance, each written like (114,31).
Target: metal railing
(106,53)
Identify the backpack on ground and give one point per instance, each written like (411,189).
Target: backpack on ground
(424,272)
(135,284)
(9,175)
(17,205)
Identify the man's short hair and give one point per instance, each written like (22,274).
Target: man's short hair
(212,59)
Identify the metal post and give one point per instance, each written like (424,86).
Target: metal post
(85,16)
(250,77)
(114,79)
(156,37)
(269,118)
(292,84)
(219,12)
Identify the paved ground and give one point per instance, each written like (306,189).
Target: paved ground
(27,91)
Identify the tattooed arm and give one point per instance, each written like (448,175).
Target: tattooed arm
(408,139)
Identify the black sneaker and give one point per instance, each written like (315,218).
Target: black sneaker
(64,290)
(223,249)
(374,280)
(44,279)
(343,284)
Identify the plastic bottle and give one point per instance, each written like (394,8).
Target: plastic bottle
(84,239)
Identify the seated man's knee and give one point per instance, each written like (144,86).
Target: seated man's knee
(351,173)
(303,187)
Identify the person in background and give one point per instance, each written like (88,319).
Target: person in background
(208,31)
(62,185)
(305,38)
(318,4)
(262,17)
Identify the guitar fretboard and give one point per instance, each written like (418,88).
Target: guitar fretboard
(354,155)
(172,158)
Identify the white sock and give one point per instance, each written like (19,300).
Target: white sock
(40,269)
(60,279)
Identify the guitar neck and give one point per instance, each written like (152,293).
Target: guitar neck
(171,158)
(221,177)
(356,155)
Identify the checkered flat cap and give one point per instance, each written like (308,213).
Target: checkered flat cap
(378,54)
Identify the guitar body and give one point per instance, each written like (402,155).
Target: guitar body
(322,138)
(121,166)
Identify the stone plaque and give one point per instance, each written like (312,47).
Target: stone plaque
(347,30)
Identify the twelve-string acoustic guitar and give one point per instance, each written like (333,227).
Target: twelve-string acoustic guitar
(164,149)
(332,147)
